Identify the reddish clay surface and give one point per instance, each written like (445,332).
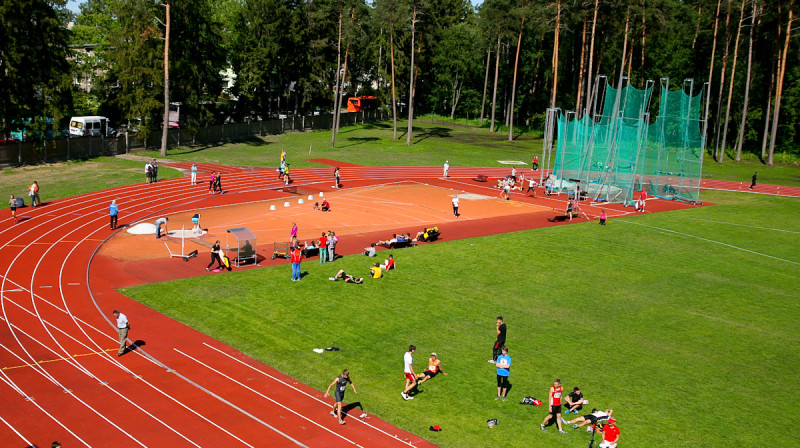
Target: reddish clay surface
(61,378)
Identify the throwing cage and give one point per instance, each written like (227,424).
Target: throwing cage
(243,249)
(616,151)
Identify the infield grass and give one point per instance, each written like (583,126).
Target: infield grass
(684,322)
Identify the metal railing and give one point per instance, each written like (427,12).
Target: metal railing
(30,152)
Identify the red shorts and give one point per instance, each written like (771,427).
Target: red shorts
(410,376)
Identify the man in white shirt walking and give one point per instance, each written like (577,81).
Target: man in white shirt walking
(411,377)
(122,326)
(446,168)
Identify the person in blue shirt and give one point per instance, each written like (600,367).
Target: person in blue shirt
(503,365)
(113,211)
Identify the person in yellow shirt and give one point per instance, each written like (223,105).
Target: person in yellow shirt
(434,368)
(375,271)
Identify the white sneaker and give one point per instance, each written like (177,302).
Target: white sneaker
(404,395)
(333,413)
(492,361)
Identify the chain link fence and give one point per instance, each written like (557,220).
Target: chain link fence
(29,152)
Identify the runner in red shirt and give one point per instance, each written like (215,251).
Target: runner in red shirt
(555,407)
(610,434)
(297,254)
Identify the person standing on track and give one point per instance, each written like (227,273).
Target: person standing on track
(455,206)
(218,183)
(531,187)
(500,328)
(12,202)
(194,174)
(338,179)
(446,168)
(297,255)
(123,326)
(212,181)
(554,408)
(755,177)
(535,164)
(341,386)
(408,370)
(113,213)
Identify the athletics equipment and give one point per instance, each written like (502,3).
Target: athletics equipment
(613,151)
(182,254)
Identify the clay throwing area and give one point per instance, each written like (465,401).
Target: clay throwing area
(175,386)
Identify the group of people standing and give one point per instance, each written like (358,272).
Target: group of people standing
(151,171)
(215,183)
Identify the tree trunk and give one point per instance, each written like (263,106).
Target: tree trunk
(590,78)
(514,84)
(485,81)
(581,73)
(496,74)
(394,92)
(733,76)
(411,80)
(711,69)
(341,95)
(779,92)
(644,39)
(719,155)
(454,99)
(740,140)
(336,88)
(768,110)
(555,55)
(697,29)
(165,125)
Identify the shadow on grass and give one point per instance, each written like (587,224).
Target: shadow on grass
(432,132)
(359,141)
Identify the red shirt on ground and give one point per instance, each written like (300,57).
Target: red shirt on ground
(296,255)
(610,433)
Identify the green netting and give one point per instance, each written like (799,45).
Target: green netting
(619,153)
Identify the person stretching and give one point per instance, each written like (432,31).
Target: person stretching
(341,386)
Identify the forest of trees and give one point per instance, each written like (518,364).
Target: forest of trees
(503,62)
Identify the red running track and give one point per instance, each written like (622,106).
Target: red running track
(62,381)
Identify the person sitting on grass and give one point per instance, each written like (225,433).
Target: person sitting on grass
(574,401)
(370,251)
(375,271)
(347,277)
(325,207)
(388,264)
(434,368)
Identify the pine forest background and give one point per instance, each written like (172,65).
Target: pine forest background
(500,64)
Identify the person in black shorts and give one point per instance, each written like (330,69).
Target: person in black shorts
(215,257)
(341,386)
(574,401)
(590,419)
(501,339)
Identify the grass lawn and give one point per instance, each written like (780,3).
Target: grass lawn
(65,179)
(370,144)
(685,338)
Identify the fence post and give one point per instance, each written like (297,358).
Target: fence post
(127,148)
(44,143)
(90,145)
(69,137)
(102,144)
(19,147)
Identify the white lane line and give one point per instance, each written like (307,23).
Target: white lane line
(27,442)
(710,241)
(297,442)
(69,391)
(743,225)
(304,393)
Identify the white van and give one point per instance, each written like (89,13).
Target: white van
(90,125)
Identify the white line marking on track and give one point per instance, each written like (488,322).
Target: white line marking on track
(27,442)
(303,392)
(269,399)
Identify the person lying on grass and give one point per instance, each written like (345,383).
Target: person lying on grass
(347,277)
(593,418)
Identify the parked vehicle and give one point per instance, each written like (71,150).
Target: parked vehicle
(91,125)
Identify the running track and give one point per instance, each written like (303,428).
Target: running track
(61,380)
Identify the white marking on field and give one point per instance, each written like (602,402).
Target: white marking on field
(710,241)
(512,162)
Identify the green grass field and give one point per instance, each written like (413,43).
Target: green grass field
(684,322)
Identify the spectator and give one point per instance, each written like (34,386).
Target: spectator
(12,203)
(323,248)
(370,251)
(296,256)
(375,271)
(34,194)
(574,401)
(610,434)
(347,277)
(434,368)
(113,213)
(503,365)
(388,264)
(326,206)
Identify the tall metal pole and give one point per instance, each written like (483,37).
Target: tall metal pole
(165,124)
